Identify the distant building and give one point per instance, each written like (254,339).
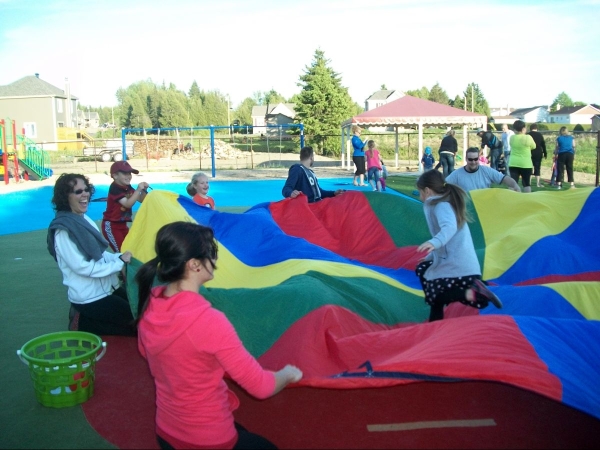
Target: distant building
(39,108)
(278,114)
(596,123)
(88,119)
(381,98)
(532,114)
(501,111)
(575,114)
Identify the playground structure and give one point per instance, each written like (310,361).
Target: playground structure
(21,157)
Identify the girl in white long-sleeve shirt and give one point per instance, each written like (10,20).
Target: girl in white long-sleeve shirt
(450,271)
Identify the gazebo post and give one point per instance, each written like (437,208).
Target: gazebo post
(397,146)
(342,145)
(464,149)
(348,155)
(420,153)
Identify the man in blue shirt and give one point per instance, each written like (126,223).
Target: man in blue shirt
(302,180)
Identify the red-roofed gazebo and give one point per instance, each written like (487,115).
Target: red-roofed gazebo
(413,111)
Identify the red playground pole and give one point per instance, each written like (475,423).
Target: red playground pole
(15,150)
(4,151)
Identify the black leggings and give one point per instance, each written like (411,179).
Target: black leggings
(110,315)
(440,292)
(246,440)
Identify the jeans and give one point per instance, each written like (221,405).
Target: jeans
(373,174)
(494,157)
(506,159)
(447,161)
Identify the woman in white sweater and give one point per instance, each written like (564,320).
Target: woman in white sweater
(98,304)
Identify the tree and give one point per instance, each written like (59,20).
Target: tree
(243,112)
(419,93)
(438,95)
(561,99)
(194,91)
(323,104)
(475,101)
(272,97)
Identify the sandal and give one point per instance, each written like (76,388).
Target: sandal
(481,290)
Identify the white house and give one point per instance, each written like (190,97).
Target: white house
(531,115)
(501,111)
(381,98)
(575,114)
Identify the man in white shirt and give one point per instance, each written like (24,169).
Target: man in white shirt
(506,134)
(475,176)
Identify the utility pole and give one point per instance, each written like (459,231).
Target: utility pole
(228,115)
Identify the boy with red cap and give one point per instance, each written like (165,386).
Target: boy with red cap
(121,198)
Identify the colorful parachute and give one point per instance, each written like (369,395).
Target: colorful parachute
(331,288)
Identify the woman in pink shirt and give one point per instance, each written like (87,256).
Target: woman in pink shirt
(190,345)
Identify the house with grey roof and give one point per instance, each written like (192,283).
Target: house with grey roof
(277,114)
(382,97)
(39,108)
(575,114)
(533,114)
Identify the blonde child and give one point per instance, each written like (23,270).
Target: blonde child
(373,165)
(450,270)
(198,190)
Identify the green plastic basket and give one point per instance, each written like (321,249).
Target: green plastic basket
(62,366)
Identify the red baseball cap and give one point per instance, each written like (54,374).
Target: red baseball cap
(122,166)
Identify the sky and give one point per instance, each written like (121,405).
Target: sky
(521,54)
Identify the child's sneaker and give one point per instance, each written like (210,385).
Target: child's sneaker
(482,290)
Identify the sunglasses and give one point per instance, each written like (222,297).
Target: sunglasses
(81,191)
(472,159)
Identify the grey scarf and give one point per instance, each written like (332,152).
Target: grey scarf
(88,239)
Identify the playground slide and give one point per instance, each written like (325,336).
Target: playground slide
(35,171)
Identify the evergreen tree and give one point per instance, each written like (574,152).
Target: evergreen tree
(438,95)
(322,105)
(194,91)
(475,101)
